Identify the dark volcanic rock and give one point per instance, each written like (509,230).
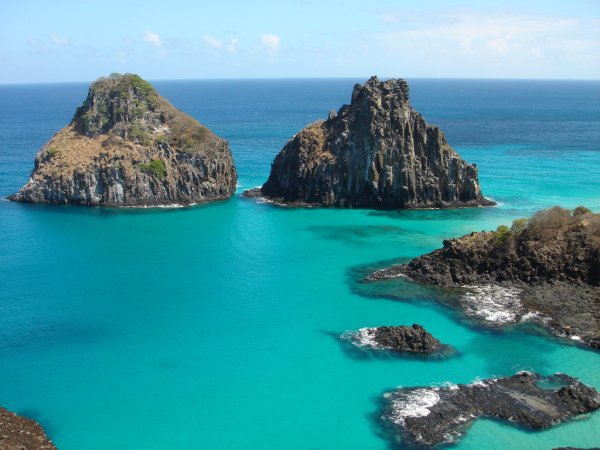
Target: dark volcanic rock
(377,152)
(128,146)
(434,415)
(546,270)
(575,448)
(20,433)
(413,339)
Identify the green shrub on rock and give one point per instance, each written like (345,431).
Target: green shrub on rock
(502,234)
(156,167)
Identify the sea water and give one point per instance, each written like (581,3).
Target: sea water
(216,327)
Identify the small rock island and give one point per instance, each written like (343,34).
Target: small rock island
(18,432)
(429,416)
(377,152)
(401,339)
(545,269)
(128,146)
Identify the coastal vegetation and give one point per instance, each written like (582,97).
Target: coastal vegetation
(156,167)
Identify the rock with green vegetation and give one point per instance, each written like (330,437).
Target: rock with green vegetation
(128,146)
(544,269)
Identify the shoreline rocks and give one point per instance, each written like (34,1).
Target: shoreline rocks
(18,432)
(429,416)
(377,152)
(128,146)
(401,339)
(545,270)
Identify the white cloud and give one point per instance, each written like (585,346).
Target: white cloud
(271,42)
(152,39)
(213,42)
(59,40)
(479,35)
(536,52)
(499,46)
(232,45)
(390,18)
(37,45)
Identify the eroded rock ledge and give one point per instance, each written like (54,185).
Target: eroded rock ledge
(429,416)
(377,152)
(545,269)
(20,433)
(413,339)
(128,146)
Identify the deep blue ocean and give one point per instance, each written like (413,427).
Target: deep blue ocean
(214,327)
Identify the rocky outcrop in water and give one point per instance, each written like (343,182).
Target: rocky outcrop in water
(546,269)
(128,146)
(413,339)
(377,152)
(428,416)
(20,433)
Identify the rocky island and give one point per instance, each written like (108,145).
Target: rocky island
(428,416)
(413,339)
(545,269)
(20,433)
(128,146)
(377,152)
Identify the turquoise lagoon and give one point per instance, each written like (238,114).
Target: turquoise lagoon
(214,327)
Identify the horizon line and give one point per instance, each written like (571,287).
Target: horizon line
(305,78)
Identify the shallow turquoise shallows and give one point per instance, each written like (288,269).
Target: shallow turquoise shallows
(214,327)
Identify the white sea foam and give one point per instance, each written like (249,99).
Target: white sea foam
(531,315)
(165,206)
(413,403)
(364,337)
(495,201)
(492,303)
(576,338)
(478,382)
(447,385)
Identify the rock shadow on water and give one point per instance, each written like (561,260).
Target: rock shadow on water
(402,289)
(358,234)
(40,335)
(527,346)
(435,214)
(363,353)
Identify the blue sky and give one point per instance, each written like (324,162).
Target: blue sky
(47,41)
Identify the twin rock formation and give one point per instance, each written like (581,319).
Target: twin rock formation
(128,146)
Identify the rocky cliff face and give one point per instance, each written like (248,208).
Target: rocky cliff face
(377,152)
(545,269)
(128,146)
